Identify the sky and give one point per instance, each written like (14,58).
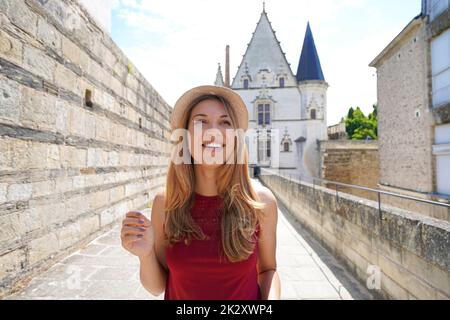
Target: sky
(177,44)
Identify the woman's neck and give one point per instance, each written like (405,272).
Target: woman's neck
(205,180)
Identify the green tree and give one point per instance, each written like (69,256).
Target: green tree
(360,127)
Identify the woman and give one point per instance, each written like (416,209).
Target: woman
(212,234)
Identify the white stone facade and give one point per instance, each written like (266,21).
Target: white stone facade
(294,112)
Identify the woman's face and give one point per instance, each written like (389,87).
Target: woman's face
(208,125)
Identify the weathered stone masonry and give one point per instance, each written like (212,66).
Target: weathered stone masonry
(351,162)
(83,136)
(411,250)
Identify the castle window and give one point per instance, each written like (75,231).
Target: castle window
(245,83)
(313,114)
(263,114)
(281,82)
(264,148)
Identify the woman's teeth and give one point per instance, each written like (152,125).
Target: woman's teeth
(212,145)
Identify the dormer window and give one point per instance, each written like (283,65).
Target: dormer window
(281,82)
(313,114)
(245,83)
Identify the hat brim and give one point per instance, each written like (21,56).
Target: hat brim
(233,98)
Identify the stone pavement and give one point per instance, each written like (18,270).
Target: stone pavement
(103,270)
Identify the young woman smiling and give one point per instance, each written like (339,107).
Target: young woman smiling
(212,233)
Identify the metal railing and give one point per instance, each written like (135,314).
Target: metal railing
(379,192)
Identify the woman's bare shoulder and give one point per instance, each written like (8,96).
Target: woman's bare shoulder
(264,193)
(158,206)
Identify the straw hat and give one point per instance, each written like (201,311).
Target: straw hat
(233,98)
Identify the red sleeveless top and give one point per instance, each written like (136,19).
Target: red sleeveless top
(196,271)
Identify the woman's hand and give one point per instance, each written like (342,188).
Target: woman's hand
(137,234)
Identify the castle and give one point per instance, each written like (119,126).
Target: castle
(287,112)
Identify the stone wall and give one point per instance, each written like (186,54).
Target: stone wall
(405,123)
(83,136)
(411,251)
(351,162)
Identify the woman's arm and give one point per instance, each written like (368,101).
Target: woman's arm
(268,279)
(152,273)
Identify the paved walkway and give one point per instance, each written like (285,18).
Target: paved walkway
(103,270)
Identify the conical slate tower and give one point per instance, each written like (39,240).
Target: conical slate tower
(309,67)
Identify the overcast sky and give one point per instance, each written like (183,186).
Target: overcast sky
(177,44)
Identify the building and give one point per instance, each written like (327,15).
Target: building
(287,111)
(337,132)
(414,105)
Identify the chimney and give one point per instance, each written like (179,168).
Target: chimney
(227,67)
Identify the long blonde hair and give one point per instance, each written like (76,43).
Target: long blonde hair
(241,209)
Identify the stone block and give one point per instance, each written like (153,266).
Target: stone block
(67,79)
(3,188)
(20,192)
(102,129)
(12,262)
(37,62)
(42,248)
(77,122)
(63,184)
(37,110)
(6,154)
(89,225)
(53,157)
(78,182)
(9,101)
(436,277)
(10,48)
(74,157)
(106,217)
(393,289)
(50,214)
(20,15)
(77,206)
(90,127)
(116,194)
(49,35)
(68,235)
(98,199)
(436,244)
(43,188)
(62,116)
(36,156)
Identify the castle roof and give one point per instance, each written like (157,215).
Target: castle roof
(309,67)
(263,52)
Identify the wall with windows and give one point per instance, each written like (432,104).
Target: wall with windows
(437,7)
(442,152)
(440,66)
(404,117)
(275,111)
